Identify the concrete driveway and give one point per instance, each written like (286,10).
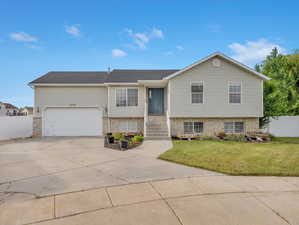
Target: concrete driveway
(39,167)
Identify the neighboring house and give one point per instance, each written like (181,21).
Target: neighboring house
(7,109)
(215,94)
(27,111)
(2,109)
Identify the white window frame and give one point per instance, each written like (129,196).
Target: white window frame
(193,130)
(241,94)
(234,127)
(128,126)
(203,92)
(126,88)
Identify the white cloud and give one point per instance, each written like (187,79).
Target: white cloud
(73,30)
(179,47)
(118,53)
(142,39)
(157,33)
(23,37)
(253,52)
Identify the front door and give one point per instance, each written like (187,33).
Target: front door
(155,101)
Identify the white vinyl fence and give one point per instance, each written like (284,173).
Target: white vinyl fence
(15,127)
(284,126)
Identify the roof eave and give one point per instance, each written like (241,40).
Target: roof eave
(65,84)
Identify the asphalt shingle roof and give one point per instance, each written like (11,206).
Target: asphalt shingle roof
(72,78)
(115,76)
(132,76)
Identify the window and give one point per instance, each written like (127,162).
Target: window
(193,127)
(197,93)
(235,92)
(128,126)
(126,97)
(234,127)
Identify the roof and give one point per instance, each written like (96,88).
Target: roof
(132,76)
(71,78)
(9,106)
(115,76)
(128,76)
(221,55)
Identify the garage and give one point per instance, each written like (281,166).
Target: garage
(73,121)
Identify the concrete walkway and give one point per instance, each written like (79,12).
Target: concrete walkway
(205,200)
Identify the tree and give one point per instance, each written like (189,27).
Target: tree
(281,93)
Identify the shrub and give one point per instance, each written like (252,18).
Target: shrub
(137,139)
(118,136)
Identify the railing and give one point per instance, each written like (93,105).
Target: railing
(145,119)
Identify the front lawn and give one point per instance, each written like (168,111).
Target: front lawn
(279,157)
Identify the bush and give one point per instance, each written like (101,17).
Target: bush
(118,136)
(137,139)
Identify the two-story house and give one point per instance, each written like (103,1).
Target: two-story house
(7,109)
(215,94)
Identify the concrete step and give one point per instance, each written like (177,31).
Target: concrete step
(157,128)
(157,138)
(157,134)
(156,131)
(157,125)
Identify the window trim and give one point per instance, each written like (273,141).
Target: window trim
(234,126)
(241,92)
(127,96)
(193,131)
(203,92)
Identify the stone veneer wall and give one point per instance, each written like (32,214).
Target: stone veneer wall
(37,127)
(212,126)
(115,123)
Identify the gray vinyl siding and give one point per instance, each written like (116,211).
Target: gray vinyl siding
(126,111)
(216,98)
(69,96)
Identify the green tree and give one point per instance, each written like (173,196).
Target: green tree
(281,93)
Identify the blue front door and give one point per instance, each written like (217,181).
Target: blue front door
(156,101)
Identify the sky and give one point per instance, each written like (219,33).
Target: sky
(41,36)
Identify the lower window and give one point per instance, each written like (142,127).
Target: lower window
(128,126)
(193,127)
(233,127)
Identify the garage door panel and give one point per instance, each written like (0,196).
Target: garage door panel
(73,122)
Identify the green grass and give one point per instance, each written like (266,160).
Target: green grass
(278,158)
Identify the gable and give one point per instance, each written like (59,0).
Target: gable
(222,58)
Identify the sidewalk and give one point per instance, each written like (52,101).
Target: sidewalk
(189,201)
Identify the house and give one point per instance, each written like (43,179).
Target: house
(2,109)
(215,94)
(27,111)
(7,109)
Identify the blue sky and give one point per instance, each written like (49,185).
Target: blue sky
(41,36)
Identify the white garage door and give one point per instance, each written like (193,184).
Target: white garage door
(73,122)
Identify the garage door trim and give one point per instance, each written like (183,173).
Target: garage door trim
(101,111)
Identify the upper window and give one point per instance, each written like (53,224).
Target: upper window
(126,96)
(235,92)
(234,127)
(193,127)
(197,93)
